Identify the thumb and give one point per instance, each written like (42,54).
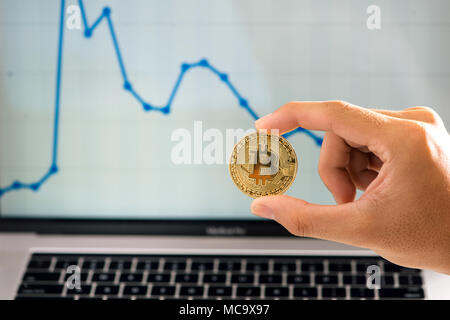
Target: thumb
(343,223)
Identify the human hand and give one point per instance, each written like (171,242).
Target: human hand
(402,162)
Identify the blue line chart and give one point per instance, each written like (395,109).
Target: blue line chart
(127,86)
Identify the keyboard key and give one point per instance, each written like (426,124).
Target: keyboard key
(120,265)
(242,278)
(267,278)
(45,283)
(387,280)
(277,292)
(390,267)
(362,266)
(284,266)
(83,276)
(404,280)
(93,264)
(219,291)
(39,264)
(229,266)
(104,277)
(340,267)
(131,277)
(41,277)
(203,266)
(214,278)
(304,292)
(333,292)
(399,293)
(298,279)
(107,290)
(312,266)
(159,277)
(163,290)
(63,264)
(41,256)
(257,266)
(186,277)
(361,293)
(191,291)
(135,290)
(147,265)
(354,280)
(410,280)
(40,289)
(84,289)
(248,292)
(174,265)
(326,279)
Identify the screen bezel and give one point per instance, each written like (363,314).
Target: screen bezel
(255,228)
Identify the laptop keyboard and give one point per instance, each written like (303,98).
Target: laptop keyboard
(214,277)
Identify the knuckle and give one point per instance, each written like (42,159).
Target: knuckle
(340,103)
(321,168)
(427,114)
(291,105)
(322,165)
(291,108)
(297,228)
(337,109)
(301,226)
(416,132)
(338,106)
(343,109)
(431,115)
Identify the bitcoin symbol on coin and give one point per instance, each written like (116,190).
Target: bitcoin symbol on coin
(263,164)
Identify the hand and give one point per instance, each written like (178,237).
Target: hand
(402,162)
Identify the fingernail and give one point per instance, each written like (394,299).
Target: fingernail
(262,119)
(262,211)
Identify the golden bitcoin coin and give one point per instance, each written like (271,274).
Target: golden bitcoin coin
(263,164)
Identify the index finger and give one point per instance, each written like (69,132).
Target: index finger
(353,123)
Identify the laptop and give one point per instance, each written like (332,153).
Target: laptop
(114,144)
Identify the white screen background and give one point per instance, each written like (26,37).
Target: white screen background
(114,158)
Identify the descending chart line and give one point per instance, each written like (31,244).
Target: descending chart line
(127,86)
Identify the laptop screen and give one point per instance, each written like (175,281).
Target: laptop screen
(129,110)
